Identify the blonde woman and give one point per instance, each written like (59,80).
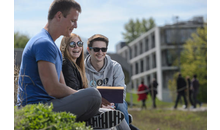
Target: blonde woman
(73,62)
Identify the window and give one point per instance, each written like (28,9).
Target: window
(148,63)
(130,50)
(142,66)
(135,50)
(146,45)
(136,68)
(148,80)
(153,42)
(141,48)
(154,61)
(174,35)
(171,56)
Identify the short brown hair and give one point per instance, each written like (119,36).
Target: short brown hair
(63,6)
(97,37)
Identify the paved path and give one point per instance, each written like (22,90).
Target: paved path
(179,108)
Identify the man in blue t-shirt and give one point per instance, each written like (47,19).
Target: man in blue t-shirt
(39,50)
(41,79)
(40,76)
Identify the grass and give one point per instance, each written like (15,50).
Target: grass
(169,120)
(166,119)
(149,103)
(151,119)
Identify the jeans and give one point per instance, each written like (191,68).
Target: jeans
(123,107)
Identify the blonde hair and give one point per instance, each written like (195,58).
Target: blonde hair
(79,61)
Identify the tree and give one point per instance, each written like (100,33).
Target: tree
(194,55)
(20,40)
(194,60)
(135,28)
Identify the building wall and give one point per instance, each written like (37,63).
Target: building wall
(153,55)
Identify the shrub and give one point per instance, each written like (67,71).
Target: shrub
(16,73)
(40,116)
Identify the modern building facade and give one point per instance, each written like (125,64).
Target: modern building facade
(153,53)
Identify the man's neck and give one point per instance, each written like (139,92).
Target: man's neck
(52,31)
(97,65)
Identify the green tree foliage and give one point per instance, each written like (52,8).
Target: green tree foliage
(20,40)
(40,116)
(194,55)
(135,28)
(194,60)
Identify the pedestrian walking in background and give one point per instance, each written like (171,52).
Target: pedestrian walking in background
(190,90)
(153,91)
(195,86)
(181,87)
(142,94)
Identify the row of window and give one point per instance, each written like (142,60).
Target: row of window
(144,64)
(149,42)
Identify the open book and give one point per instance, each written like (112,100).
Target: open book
(111,93)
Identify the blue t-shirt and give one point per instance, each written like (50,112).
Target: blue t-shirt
(30,87)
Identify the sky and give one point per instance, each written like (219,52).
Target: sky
(107,17)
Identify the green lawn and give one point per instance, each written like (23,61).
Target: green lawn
(169,120)
(151,119)
(159,103)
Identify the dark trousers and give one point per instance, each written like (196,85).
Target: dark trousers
(84,104)
(153,96)
(143,104)
(179,95)
(195,93)
(191,97)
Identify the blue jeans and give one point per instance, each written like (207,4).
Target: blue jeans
(123,107)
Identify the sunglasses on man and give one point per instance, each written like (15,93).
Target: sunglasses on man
(96,49)
(73,44)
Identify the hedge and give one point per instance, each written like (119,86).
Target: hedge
(41,116)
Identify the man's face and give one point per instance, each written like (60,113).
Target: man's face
(69,23)
(97,56)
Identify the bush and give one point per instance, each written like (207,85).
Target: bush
(40,116)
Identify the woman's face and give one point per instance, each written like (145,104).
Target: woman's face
(75,51)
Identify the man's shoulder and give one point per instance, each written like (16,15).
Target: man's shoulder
(195,80)
(114,64)
(39,41)
(43,40)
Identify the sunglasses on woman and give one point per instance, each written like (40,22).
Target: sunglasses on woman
(96,49)
(73,44)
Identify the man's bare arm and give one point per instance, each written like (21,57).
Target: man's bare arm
(62,80)
(49,79)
